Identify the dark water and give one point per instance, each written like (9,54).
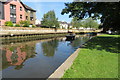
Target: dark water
(37,59)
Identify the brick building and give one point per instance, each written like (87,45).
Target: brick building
(15,11)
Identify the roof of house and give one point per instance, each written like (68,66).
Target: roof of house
(25,6)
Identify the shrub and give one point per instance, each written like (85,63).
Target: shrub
(9,23)
(21,23)
(25,23)
(33,26)
(17,25)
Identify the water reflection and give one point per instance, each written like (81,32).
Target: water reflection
(50,47)
(78,41)
(16,55)
(37,59)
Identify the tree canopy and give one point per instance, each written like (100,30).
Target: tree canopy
(86,23)
(90,23)
(76,23)
(107,12)
(49,19)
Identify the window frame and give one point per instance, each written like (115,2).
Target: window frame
(21,17)
(20,8)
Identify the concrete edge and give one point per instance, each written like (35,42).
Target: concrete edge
(59,72)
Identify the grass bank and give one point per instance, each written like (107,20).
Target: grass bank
(97,59)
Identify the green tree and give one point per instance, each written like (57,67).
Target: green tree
(107,12)
(49,19)
(90,23)
(76,23)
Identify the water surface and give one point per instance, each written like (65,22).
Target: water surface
(37,59)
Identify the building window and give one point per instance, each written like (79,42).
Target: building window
(20,8)
(14,21)
(27,10)
(12,6)
(27,17)
(20,16)
(31,18)
(13,15)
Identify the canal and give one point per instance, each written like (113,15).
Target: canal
(37,59)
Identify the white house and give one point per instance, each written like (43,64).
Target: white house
(37,22)
(64,25)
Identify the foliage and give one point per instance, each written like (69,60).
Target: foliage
(33,26)
(49,19)
(9,23)
(107,12)
(21,23)
(90,23)
(97,59)
(76,23)
(86,23)
(17,25)
(24,23)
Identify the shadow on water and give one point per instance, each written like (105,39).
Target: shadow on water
(101,43)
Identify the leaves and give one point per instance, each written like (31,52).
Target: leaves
(49,19)
(76,23)
(86,23)
(108,12)
(90,23)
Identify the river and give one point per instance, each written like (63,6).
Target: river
(37,59)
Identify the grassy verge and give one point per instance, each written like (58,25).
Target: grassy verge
(97,59)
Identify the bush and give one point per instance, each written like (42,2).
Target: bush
(17,25)
(25,23)
(33,26)
(9,23)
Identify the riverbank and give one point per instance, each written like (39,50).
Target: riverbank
(25,38)
(5,30)
(98,58)
(14,34)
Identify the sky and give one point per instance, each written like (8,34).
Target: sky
(44,7)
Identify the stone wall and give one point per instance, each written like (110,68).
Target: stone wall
(24,30)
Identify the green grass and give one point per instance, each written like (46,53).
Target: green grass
(97,59)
